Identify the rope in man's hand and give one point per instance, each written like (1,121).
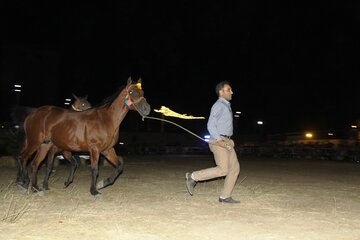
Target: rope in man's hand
(224,145)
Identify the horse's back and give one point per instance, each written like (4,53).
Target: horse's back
(70,130)
(36,121)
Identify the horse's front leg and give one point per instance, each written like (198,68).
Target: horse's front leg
(94,162)
(49,166)
(119,166)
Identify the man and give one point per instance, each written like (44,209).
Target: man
(220,127)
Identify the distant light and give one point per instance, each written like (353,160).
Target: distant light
(308,135)
(17,87)
(68,99)
(330,134)
(207,137)
(260,122)
(237,112)
(236,115)
(121,143)
(2,126)
(66,103)
(354,126)
(16,126)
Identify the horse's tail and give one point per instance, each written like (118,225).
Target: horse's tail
(19,113)
(20,171)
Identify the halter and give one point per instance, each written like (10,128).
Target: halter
(128,101)
(75,109)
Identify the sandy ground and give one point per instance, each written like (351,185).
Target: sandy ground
(280,199)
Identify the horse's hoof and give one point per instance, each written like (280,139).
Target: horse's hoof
(40,193)
(21,188)
(95,193)
(98,196)
(36,189)
(66,184)
(100,184)
(46,187)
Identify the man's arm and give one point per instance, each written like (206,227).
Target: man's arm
(215,114)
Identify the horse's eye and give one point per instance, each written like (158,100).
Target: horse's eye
(131,92)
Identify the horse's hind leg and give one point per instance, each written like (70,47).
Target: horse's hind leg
(94,160)
(23,176)
(40,156)
(119,166)
(49,166)
(74,164)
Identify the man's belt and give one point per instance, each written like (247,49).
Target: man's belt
(225,136)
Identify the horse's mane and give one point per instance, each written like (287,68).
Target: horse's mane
(109,100)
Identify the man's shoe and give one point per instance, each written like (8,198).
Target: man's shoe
(190,183)
(228,200)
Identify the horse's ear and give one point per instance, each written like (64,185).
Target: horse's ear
(129,81)
(86,97)
(75,96)
(139,81)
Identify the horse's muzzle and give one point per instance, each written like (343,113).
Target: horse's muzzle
(143,107)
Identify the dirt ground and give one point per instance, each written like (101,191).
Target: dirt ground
(280,199)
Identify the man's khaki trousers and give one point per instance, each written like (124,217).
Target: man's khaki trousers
(227,165)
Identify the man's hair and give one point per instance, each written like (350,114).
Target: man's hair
(220,86)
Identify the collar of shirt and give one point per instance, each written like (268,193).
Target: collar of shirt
(224,100)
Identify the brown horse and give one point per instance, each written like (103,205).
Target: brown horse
(80,104)
(19,114)
(95,131)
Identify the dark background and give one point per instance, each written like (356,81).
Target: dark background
(293,65)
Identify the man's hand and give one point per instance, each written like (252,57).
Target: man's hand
(225,144)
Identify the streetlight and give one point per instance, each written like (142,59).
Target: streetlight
(17,90)
(17,87)
(309,135)
(260,129)
(236,122)
(67,101)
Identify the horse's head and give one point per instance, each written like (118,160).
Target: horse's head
(80,103)
(135,99)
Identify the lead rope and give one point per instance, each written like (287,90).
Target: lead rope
(227,146)
(154,118)
(164,120)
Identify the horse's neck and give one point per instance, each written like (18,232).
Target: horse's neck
(119,109)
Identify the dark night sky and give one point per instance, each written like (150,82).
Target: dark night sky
(295,66)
